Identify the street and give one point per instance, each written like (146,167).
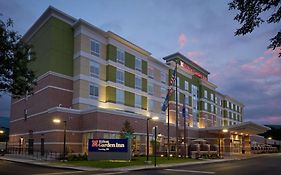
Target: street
(268,164)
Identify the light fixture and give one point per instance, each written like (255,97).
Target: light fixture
(57,121)
(269,138)
(1,132)
(155,118)
(225,130)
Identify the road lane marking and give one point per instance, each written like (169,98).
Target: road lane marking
(191,171)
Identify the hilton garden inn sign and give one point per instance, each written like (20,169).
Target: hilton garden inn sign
(109,149)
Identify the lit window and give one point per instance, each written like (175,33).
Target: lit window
(94,90)
(119,96)
(120,76)
(137,101)
(163,77)
(227,104)
(138,64)
(212,108)
(178,81)
(94,69)
(205,94)
(216,100)
(205,106)
(150,72)
(186,85)
(212,97)
(120,56)
(138,83)
(95,47)
(150,89)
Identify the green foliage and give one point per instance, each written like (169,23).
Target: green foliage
(15,75)
(250,16)
(127,129)
(79,157)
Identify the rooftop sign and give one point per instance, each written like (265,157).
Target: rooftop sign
(188,68)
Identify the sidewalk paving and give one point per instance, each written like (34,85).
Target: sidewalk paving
(51,164)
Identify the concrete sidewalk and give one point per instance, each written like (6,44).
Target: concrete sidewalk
(51,164)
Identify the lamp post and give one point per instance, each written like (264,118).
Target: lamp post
(147,136)
(58,121)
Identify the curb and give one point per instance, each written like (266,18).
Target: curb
(135,168)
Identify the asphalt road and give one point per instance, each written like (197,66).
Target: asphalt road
(269,164)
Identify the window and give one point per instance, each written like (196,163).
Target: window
(216,110)
(220,102)
(178,81)
(232,106)
(94,69)
(150,89)
(138,64)
(120,56)
(138,83)
(137,101)
(94,90)
(229,114)
(163,77)
(205,106)
(150,105)
(119,96)
(120,76)
(227,104)
(212,97)
(216,100)
(150,72)
(205,94)
(25,114)
(163,92)
(212,108)
(95,47)
(186,84)
(186,100)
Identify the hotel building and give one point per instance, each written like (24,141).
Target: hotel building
(95,80)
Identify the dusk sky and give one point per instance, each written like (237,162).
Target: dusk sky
(202,30)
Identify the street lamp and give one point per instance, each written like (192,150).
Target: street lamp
(58,121)
(1,132)
(147,136)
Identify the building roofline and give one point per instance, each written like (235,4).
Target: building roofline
(233,99)
(185,59)
(49,12)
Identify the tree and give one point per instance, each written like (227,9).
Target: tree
(127,130)
(16,77)
(250,16)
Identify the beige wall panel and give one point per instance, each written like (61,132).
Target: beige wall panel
(157,107)
(81,89)
(157,75)
(102,94)
(103,72)
(77,43)
(81,66)
(103,51)
(85,44)
(157,90)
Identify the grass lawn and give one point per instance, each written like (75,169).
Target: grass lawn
(134,162)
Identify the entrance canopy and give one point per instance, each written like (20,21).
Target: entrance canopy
(249,127)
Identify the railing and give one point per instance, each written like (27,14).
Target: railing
(33,154)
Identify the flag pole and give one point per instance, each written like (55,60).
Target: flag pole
(168,152)
(177,122)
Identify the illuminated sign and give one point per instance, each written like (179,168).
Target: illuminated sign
(188,68)
(108,145)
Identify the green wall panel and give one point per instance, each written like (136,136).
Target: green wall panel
(110,73)
(144,67)
(110,94)
(129,79)
(143,102)
(111,52)
(53,45)
(129,60)
(144,84)
(129,99)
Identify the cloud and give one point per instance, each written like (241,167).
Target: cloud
(182,40)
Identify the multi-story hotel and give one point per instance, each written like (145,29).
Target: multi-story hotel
(95,80)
